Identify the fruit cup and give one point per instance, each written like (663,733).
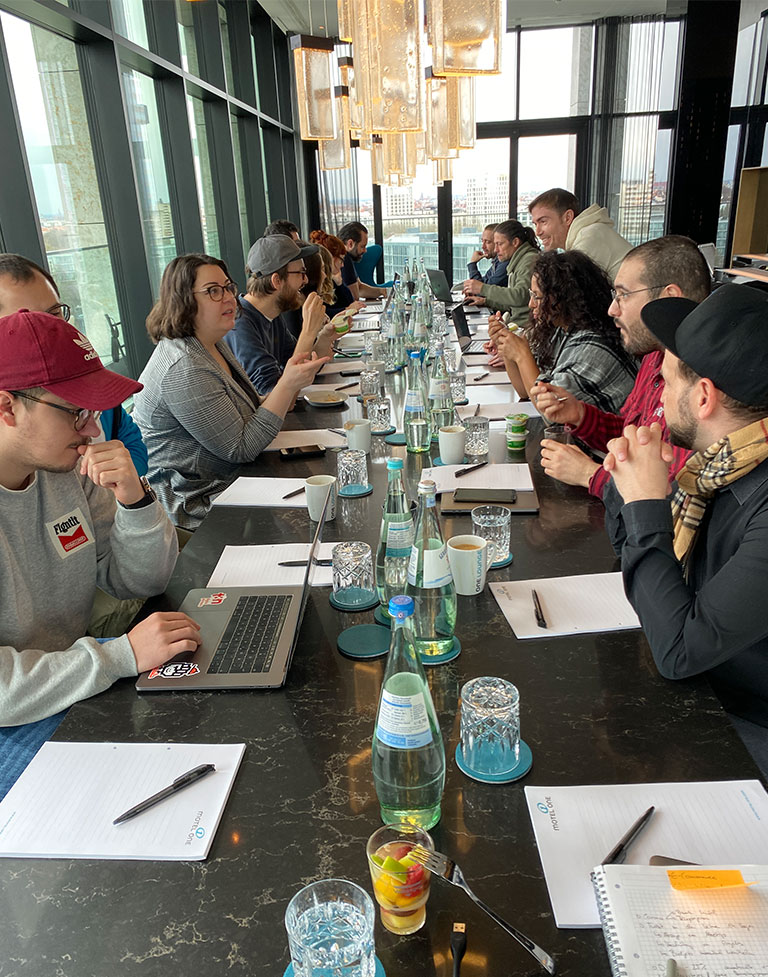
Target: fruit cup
(400,884)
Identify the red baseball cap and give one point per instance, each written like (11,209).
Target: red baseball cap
(42,350)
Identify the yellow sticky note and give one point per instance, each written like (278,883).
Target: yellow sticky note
(685,880)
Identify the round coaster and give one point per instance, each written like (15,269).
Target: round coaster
(381,617)
(447,656)
(355,491)
(363,641)
(460,403)
(502,563)
(388,430)
(520,769)
(379,970)
(439,461)
(364,604)
(395,369)
(395,439)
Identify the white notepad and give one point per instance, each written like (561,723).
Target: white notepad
(475,378)
(504,476)
(298,439)
(710,823)
(705,931)
(498,412)
(64,803)
(256,566)
(263,492)
(582,604)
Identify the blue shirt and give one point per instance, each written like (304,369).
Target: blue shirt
(496,274)
(118,425)
(262,346)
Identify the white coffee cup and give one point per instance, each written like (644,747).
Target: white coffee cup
(359,434)
(452,440)
(469,558)
(316,488)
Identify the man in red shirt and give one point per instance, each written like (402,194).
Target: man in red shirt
(667,267)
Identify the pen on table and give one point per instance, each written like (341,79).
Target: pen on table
(671,968)
(618,853)
(344,386)
(540,619)
(477,411)
(303,563)
(335,430)
(350,373)
(472,468)
(480,376)
(185,780)
(293,494)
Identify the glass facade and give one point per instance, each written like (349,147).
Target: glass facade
(555,72)
(129,20)
(480,196)
(202,159)
(409,219)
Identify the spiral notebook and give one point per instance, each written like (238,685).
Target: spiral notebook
(720,930)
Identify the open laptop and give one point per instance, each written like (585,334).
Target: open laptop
(460,324)
(248,635)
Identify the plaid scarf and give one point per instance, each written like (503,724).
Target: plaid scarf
(706,472)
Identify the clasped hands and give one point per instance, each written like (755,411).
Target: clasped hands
(639,463)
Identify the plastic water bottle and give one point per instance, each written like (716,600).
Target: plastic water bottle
(408,755)
(395,537)
(440,399)
(416,413)
(430,581)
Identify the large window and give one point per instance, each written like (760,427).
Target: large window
(409,219)
(203,177)
(480,197)
(555,72)
(48,91)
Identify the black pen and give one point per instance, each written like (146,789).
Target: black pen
(618,854)
(185,780)
(540,619)
(472,468)
(303,563)
(345,386)
(335,430)
(350,373)
(292,495)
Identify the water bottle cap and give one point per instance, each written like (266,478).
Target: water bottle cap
(401,607)
(414,354)
(427,485)
(393,464)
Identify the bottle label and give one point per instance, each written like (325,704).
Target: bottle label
(399,538)
(413,401)
(403,721)
(437,570)
(439,387)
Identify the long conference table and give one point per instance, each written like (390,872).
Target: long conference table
(593,710)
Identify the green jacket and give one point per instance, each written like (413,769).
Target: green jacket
(514,298)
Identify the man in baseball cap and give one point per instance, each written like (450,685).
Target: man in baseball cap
(261,340)
(73,516)
(696,570)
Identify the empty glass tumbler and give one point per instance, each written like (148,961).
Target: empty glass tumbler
(490,725)
(352,472)
(478,435)
(380,415)
(353,581)
(494,523)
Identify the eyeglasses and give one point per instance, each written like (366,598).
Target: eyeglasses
(303,273)
(535,297)
(216,292)
(61,310)
(81,414)
(620,295)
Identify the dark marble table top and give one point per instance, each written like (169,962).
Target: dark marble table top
(593,710)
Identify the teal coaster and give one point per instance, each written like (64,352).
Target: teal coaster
(502,563)
(379,970)
(354,599)
(520,769)
(461,403)
(355,491)
(395,369)
(438,461)
(381,617)
(395,439)
(447,656)
(386,431)
(363,641)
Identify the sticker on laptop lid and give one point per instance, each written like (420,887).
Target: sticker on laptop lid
(212,599)
(175,670)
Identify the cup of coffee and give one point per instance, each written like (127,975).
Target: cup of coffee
(469,558)
(359,434)
(316,488)
(452,440)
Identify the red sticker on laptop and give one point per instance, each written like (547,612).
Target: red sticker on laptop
(175,670)
(213,599)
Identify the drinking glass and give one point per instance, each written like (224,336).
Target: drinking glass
(330,930)
(558,432)
(380,415)
(458,380)
(401,895)
(370,382)
(451,355)
(494,523)
(353,583)
(477,435)
(490,725)
(352,471)
(378,347)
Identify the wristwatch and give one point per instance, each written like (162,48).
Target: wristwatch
(148,498)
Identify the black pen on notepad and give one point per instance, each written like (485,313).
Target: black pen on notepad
(303,563)
(185,780)
(540,619)
(292,495)
(472,468)
(618,853)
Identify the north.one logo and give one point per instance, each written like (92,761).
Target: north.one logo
(175,670)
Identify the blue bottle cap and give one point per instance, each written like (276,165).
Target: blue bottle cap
(401,607)
(414,354)
(394,463)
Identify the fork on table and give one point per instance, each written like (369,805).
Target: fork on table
(446,868)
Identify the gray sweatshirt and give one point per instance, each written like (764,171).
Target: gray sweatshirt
(60,538)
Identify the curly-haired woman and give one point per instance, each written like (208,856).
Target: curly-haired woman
(570,338)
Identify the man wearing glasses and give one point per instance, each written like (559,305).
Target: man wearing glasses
(260,340)
(74,516)
(667,267)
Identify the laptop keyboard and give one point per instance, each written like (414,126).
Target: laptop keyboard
(249,643)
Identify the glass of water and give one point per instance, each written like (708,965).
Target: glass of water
(352,472)
(380,415)
(494,523)
(353,583)
(458,386)
(369,382)
(490,725)
(330,930)
(478,435)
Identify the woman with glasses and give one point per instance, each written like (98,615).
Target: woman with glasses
(570,339)
(200,415)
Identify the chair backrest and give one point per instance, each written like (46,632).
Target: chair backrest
(366,266)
